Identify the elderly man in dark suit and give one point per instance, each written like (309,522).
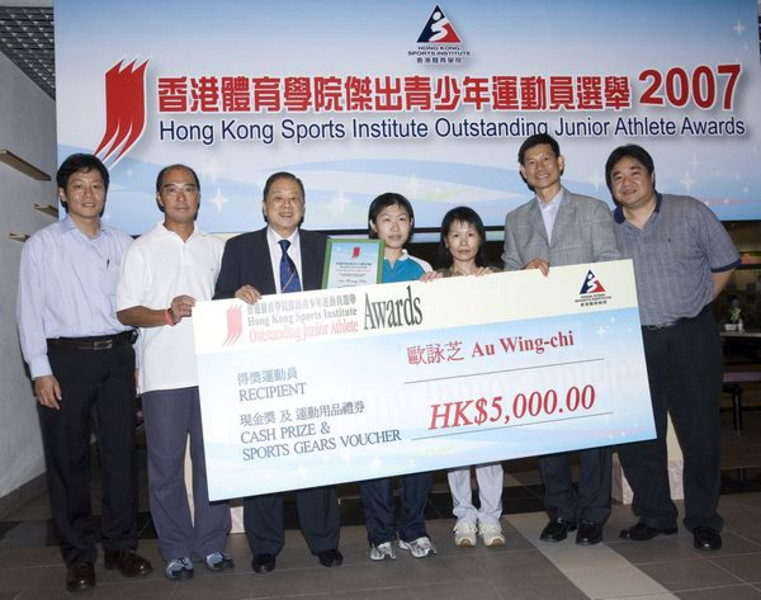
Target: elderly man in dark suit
(558,228)
(281,258)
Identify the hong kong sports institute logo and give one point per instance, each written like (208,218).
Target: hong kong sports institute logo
(439,43)
(591,284)
(438,30)
(592,292)
(125,111)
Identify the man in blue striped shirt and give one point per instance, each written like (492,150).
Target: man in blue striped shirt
(82,363)
(683,258)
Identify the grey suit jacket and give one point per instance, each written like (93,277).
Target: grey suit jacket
(584,232)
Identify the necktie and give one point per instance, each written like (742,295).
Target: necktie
(289,277)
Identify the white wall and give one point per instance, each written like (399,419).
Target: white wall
(27,128)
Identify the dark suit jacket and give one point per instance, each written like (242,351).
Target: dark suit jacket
(246,260)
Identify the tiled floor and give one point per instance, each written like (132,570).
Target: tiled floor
(666,567)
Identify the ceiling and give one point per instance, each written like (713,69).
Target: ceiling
(26,38)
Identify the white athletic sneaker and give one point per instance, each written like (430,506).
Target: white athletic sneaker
(492,534)
(218,561)
(419,548)
(384,551)
(465,534)
(179,569)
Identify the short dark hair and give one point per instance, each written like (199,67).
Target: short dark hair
(463,214)
(80,162)
(282,175)
(163,172)
(384,201)
(74,163)
(634,151)
(536,140)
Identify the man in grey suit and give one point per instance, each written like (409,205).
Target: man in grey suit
(558,228)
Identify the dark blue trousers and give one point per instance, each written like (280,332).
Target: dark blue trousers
(379,508)
(319,519)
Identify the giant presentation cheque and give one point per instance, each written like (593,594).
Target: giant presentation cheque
(328,386)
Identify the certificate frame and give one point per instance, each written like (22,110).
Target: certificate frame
(351,262)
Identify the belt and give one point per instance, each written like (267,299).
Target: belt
(669,324)
(98,342)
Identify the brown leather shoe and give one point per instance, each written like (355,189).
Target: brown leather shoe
(80,577)
(128,562)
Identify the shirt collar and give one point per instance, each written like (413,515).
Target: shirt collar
(553,204)
(618,212)
(68,225)
(405,255)
(274,237)
(168,232)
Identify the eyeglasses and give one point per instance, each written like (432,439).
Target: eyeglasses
(174,190)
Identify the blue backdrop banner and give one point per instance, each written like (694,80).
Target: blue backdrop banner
(429,100)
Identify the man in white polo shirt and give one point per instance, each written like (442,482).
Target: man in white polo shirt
(164,273)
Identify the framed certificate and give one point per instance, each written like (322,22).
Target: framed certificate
(350,262)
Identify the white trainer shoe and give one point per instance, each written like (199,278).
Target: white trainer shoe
(179,569)
(491,534)
(419,548)
(384,551)
(219,561)
(465,534)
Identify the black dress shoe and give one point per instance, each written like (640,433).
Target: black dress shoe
(557,530)
(706,538)
(128,562)
(642,532)
(330,558)
(589,533)
(263,563)
(80,577)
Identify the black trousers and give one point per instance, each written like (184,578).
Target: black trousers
(101,384)
(684,366)
(591,500)
(319,519)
